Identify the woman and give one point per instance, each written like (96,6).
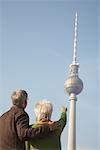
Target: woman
(43,110)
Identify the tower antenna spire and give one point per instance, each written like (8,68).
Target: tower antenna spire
(75,39)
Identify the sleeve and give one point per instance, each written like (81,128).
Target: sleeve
(23,130)
(63,120)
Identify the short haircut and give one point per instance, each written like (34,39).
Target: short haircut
(43,110)
(18,96)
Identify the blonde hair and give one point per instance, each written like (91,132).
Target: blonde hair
(18,96)
(43,110)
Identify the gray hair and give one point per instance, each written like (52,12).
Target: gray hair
(18,96)
(43,110)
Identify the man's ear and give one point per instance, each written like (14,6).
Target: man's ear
(24,103)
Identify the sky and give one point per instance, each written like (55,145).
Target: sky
(36,49)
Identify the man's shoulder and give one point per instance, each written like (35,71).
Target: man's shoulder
(4,114)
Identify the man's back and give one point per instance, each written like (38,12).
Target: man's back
(8,133)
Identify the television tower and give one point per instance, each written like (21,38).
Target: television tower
(73,85)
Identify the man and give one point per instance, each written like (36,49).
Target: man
(14,125)
(43,111)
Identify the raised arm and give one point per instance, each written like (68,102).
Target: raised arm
(63,119)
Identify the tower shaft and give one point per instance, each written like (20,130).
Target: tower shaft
(72,123)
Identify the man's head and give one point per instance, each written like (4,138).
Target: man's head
(19,98)
(43,110)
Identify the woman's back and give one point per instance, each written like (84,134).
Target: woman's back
(51,142)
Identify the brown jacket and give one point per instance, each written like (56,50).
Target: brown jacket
(14,130)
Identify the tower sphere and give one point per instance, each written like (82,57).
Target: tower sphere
(73,85)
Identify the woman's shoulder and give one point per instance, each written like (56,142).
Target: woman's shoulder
(41,123)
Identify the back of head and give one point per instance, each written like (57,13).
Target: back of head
(18,97)
(43,110)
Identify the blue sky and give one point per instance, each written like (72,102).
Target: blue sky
(36,48)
